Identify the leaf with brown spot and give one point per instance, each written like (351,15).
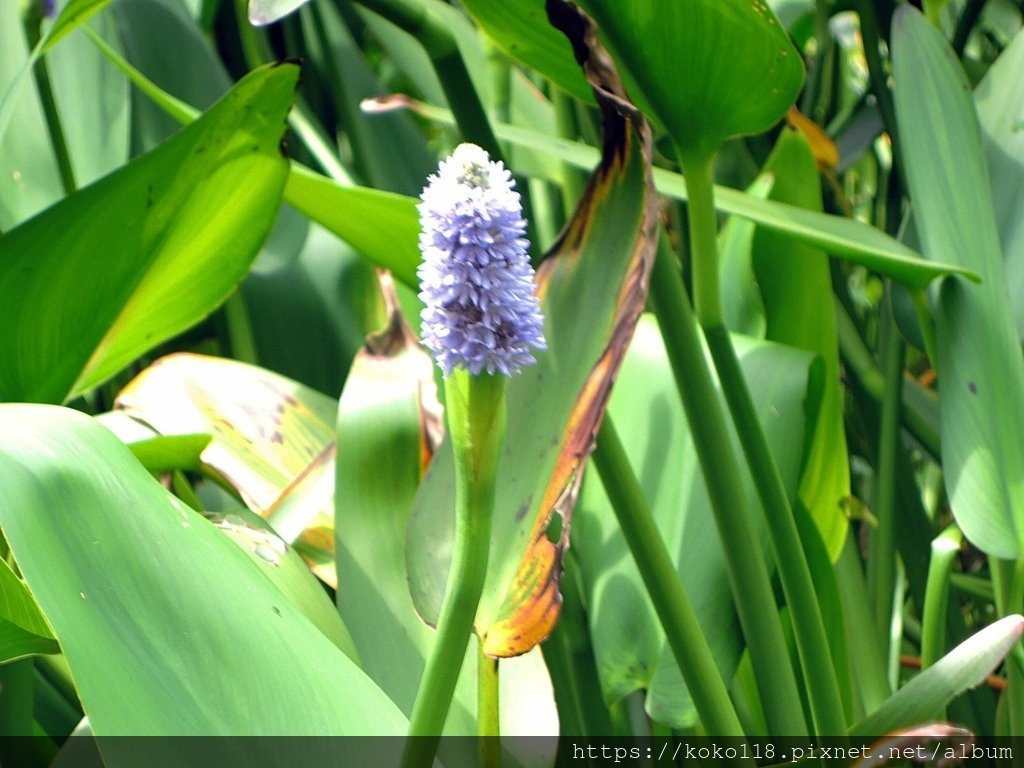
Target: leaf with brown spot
(592,286)
(271,435)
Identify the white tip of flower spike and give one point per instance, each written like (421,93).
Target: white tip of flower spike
(476,279)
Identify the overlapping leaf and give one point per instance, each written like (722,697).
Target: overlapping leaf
(118,267)
(389,423)
(980,367)
(592,289)
(168,627)
(269,434)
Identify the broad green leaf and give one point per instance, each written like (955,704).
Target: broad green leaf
(164,453)
(789,276)
(287,571)
(522,29)
(130,261)
(146,595)
(382,226)
(592,289)
(965,667)
(979,362)
(23,630)
(999,99)
(268,433)
(844,238)
(678,68)
(389,423)
(629,644)
(263,12)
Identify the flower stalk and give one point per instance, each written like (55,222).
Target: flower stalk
(480,320)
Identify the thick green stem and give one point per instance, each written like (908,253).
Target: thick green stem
(808,627)
(791,562)
(703,223)
(1008,580)
(487,708)
(685,638)
(945,548)
(882,556)
(475,411)
(748,574)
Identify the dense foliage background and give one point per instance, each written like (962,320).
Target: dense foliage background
(767,479)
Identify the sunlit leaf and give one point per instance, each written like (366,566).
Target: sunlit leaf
(979,362)
(262,12)
(592,289)
(118,267)
(146,596)
(965,667)
(269,433)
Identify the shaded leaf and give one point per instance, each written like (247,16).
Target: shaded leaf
(554,407)
(979,362)
(999,99)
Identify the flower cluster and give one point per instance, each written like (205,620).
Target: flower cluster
(476,279)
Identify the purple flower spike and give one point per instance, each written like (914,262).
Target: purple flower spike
(476,279)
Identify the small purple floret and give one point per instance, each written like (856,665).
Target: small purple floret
(50,8)
(476,279)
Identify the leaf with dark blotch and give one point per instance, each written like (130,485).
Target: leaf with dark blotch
(592,287)
(272,439)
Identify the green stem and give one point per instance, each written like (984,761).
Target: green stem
(703,225)
(882,556)
(808,626)
(475,411)
(488,720)
(876,69)
(1008,580)
(945,548)
(794,573)
(748,575)
(52,116)
(685,638)
(917,401)
(438,41)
